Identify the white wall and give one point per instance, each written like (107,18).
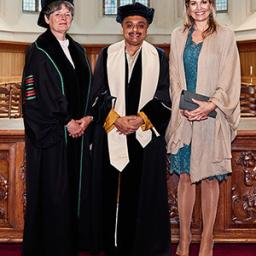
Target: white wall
(91,27)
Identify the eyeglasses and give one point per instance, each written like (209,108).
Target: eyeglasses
(137,26)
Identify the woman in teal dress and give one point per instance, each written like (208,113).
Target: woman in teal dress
(180,162)
(200,146)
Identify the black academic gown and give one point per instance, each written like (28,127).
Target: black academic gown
(143,216)
(53,94)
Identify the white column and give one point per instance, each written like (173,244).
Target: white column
(12,11)
(87,12)
(253,6)
(180,9)
(238,11)
(2,8)
(167,13)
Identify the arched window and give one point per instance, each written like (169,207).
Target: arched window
(110,6)
(30,5)
(222,5)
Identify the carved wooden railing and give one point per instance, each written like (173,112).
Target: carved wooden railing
(248,100)
(10,100)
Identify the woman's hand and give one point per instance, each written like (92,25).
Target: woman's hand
(84,122)
(128,124)
(74,129)
(202,112)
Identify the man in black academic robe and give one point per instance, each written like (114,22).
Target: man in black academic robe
(54,92)
(127,213)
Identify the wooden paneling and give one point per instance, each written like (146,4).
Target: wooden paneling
(236,217)
(247,51)
(11,59)
(93,53)
(12,56)
(11,185)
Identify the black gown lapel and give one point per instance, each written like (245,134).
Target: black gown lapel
(133,88)
(75,80)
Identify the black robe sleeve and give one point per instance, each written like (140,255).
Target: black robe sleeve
(44,104)
(158,110)
(101,100)
(100,82)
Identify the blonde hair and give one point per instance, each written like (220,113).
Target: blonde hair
(189,21)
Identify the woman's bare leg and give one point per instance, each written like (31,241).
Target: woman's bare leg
(209,199)
(186,201)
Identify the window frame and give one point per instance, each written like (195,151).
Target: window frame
(222,11)
(117,5)
(37,7)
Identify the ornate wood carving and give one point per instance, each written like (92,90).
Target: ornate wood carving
(3,197)
(3,188)
(4,166)
(248,162)
(23,178)
(243,207)
(11,185)
(2,214)
(3,155)
(244,198)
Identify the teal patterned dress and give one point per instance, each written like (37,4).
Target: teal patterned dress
(180,162)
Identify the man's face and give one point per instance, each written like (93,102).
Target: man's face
(134,30)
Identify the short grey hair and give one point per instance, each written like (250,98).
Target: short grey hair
(56,6)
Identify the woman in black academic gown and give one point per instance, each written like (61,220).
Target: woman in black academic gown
(56,85)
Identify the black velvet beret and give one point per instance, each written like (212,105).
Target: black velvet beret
(44,3)
(136,9)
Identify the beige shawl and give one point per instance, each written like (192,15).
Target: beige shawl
(218,77)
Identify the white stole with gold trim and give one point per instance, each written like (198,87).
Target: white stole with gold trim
(117,143)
